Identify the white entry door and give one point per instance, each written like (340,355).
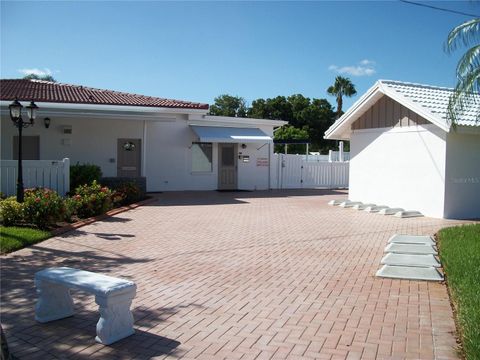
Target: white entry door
(227,166)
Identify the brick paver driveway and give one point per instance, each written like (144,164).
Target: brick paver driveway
(238,275)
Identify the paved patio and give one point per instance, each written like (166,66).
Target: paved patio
(238,275)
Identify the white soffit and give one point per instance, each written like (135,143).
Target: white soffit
(219,134)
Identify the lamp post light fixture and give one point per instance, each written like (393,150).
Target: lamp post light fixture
(16,115)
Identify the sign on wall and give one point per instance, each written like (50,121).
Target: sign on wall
(262,161)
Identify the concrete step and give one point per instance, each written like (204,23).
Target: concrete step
(409,273)
(375,209)
(390,211)
(410,249)
(412,239)
(349,204)
(362,206)
(408,214)
(410,260)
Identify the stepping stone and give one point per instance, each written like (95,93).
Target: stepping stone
(408,214)
(411,239)
(390,211)
(335,202)
(409,273)
(374,209)
(410,249)
(362,206)
(349,204)
(410,260)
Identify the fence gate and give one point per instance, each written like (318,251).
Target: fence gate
(295,172)
(52,174)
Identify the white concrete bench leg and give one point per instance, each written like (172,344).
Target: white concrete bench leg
(54,302)
(116,319)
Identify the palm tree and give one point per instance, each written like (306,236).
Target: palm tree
(342,87)
(468,68)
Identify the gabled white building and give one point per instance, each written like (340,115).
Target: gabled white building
(404,153)
(174,144)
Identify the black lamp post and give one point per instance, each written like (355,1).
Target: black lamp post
(16,115)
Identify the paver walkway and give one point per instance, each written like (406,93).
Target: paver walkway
(238,275)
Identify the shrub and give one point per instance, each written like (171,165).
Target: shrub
(11,212)
(43,207)
(84,174)
(92,200)
(71,209)
(127,193)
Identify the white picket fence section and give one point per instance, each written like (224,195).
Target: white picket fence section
(52,174)
(294,172)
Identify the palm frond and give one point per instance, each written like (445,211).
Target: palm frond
(468,62)
(466,34)
(464,96)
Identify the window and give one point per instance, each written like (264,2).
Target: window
(202,157)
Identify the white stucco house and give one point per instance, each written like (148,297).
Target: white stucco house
(174,144)
(404,153)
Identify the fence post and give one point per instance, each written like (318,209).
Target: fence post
(340,151)
(66,175)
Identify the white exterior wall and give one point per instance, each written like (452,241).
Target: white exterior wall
(92,140)
(399,167)
(462,188)
(167,161)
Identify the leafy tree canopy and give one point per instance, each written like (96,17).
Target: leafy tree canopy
(311,115)
(40,77)
(289,132)
(227,105)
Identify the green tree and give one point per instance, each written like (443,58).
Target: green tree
(227,105)
(342,87)
(288,132)
(312,115)
(468,68)
(40,77)
(277,108)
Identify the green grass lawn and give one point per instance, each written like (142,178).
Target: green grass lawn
(14,238)
(460,255)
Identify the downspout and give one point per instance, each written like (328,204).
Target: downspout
(269,166)
(144,149)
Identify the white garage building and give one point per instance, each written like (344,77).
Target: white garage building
(404,153)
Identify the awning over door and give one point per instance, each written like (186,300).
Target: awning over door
(218,134)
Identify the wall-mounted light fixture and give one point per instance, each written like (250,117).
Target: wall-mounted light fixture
(46,122)
(244,146)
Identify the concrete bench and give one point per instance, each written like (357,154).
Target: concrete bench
(114,297)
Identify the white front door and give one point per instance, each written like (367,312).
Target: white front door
(227,166)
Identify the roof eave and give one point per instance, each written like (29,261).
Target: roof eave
(338,130)
(235,121)
(119,108)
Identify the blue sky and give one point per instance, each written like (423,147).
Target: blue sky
(198,50)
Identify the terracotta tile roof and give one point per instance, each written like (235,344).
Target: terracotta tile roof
(46,91)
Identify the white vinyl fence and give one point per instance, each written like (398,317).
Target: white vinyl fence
(294,172)
(52,174)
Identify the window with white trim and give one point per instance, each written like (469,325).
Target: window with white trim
(202,157)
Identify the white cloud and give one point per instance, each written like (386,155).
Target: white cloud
(35,71)
(366,62)
(364,68)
